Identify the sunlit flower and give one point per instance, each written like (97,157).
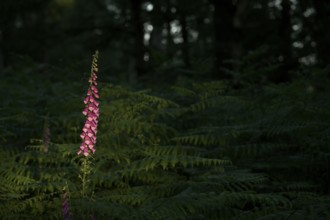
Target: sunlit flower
(91,111)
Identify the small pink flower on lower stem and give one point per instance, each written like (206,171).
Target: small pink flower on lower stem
(91,111)
(46,136)
(65,206)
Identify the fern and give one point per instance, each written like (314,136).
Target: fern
(198,151)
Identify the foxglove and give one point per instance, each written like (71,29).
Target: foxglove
(65,205)
(46,136)
(91,111)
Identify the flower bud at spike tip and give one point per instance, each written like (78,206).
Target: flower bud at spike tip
(91,111)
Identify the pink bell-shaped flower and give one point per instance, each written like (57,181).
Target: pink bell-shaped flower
(91,111)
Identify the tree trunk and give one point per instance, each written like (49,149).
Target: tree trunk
(285,41)
(238,37)
(2,56)
(4,52)
(139,48)
(169,37)
(157,21)
(185,42)
(223,15)
(321,33)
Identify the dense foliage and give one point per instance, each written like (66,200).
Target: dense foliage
(191,151)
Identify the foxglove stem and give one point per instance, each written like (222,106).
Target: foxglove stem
(88,134)
(85,172)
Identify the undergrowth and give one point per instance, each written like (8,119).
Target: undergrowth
(194,151)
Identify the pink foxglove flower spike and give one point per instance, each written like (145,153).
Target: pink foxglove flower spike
(91,111)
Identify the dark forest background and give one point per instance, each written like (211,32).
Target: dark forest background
(209,109)
(159,41)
